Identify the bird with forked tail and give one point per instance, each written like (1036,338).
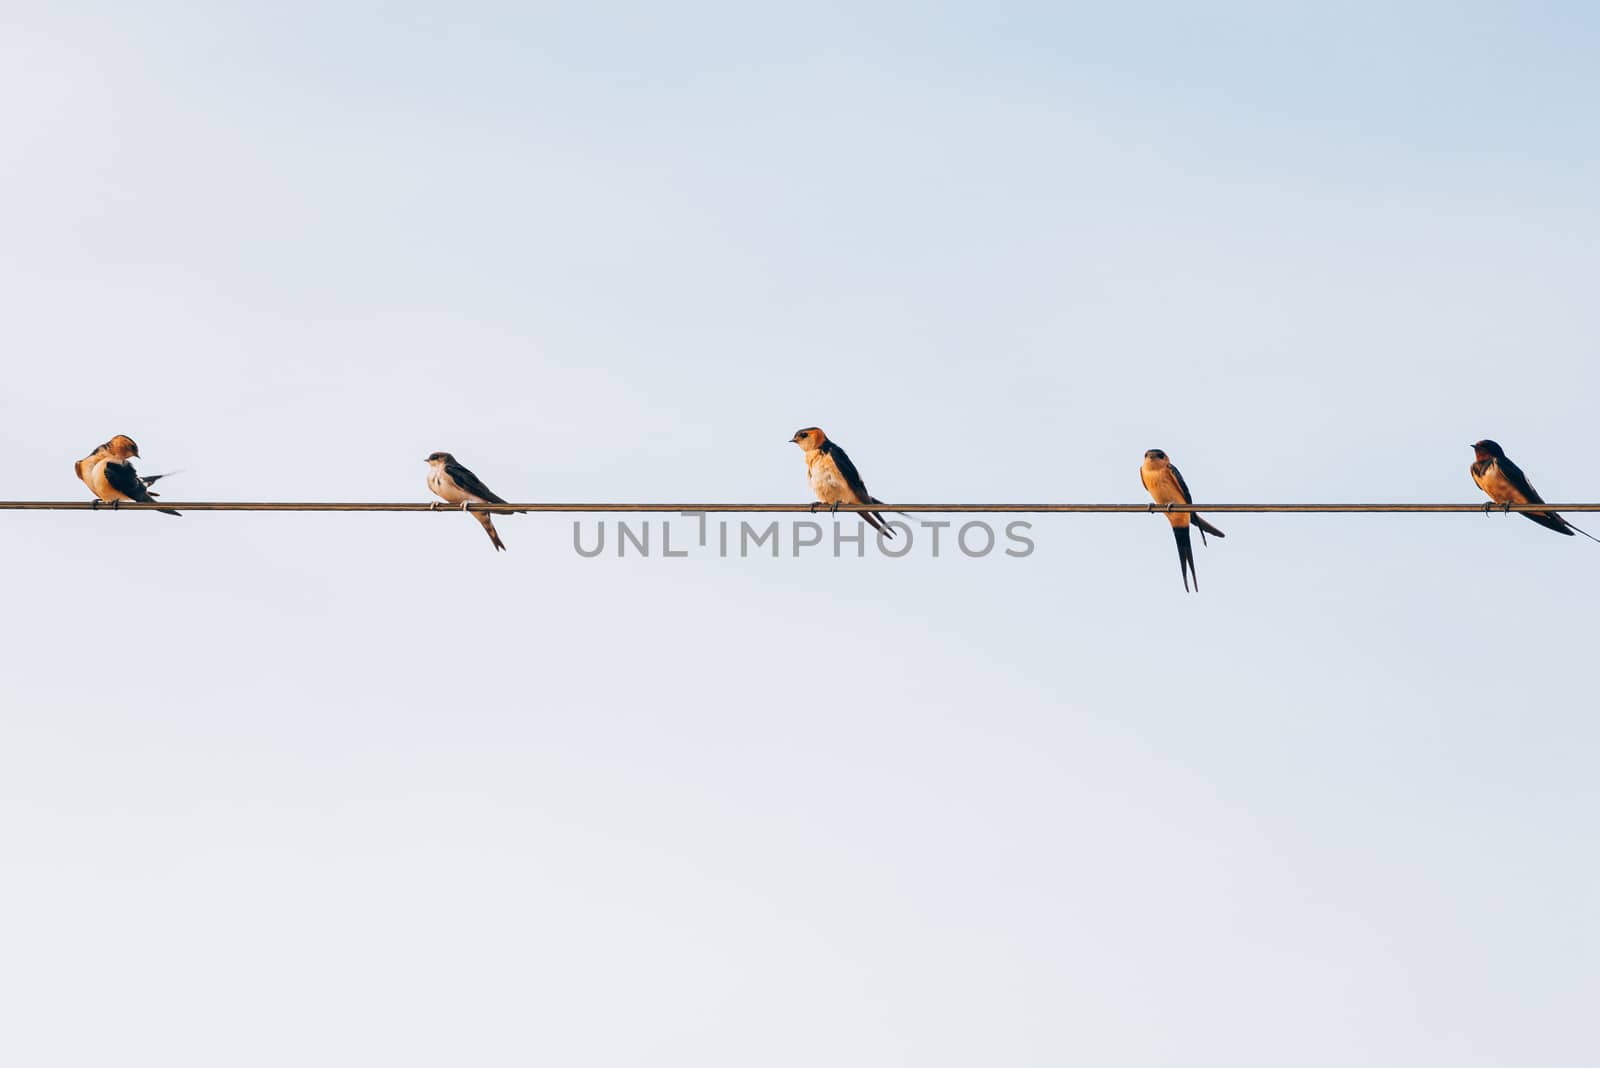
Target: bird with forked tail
(1504,482)
(456,485)
(834,479)
(1166,486)
(110,475)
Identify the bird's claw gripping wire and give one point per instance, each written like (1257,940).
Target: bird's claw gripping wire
(835,509)
(814,506)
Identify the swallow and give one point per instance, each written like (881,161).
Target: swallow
(111,477)
(834,479)
(122,443)
(457,485)
(1166,486)
(1505,483)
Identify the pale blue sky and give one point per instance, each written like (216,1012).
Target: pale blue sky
(334,789)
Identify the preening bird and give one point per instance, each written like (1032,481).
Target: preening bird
(109,473)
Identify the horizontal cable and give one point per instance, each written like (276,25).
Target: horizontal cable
(996,509)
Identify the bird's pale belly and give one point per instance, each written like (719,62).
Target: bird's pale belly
(448,490)
(828,488)
(1498,488)
(102,486)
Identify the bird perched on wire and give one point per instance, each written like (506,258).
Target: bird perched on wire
(1166,486)
(110,476)
(834,479)
(457,485)
(1505,483)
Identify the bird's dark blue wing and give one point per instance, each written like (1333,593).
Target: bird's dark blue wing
(472,484)
(1518,480)
(1194,517)
(1183,487)
(847,470)
(124,479)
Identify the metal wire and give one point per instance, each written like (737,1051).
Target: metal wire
(996,509)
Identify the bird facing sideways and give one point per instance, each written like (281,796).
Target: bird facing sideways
(1166,486)
(110,475)
(456,485)
(1504,482)
(834,479)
